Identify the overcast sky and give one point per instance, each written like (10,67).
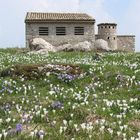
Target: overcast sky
(12,14)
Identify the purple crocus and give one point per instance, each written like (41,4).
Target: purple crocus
(18,127)
(40,134)
(57,105)
(66,77)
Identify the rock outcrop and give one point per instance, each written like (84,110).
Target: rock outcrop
(39,45)
(81,46)
(64,47)
(101,45)
(36,71)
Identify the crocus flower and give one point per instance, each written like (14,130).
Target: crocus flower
(0,136)
(57,104)
(40,134)
(19,127)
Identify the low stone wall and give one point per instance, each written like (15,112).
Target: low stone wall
(126,43)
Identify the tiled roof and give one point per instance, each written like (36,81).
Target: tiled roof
(60,17)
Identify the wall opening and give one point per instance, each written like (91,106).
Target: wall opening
(60,30)
(44,31)
(79,30)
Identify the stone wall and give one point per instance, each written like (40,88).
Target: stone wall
(111,40)
(126,43)
(32,31)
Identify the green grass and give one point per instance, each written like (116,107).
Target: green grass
(108,92)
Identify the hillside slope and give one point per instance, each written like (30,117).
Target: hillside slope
(79,96)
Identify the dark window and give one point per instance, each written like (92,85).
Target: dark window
(108,38)
(109,26)
(43,31)
(114,38)
(60,30)
(79,31)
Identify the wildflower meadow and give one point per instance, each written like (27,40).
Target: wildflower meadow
(69,96)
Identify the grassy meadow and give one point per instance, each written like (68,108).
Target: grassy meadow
(81,96)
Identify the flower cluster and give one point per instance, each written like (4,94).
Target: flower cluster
(66,77)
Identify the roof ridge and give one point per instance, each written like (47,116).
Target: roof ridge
(57,13)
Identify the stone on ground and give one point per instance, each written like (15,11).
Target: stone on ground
(81,46)
(64,47)
(101,45)
(39,45)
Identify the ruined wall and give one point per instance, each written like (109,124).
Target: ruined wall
(32,31)
(126,43)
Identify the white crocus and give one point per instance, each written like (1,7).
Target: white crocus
(1,121)
(5,134)
(32,134)
(83,125)
(110,131)
(139,135)
(41,137)
(8,120)
(0,136)
(64,122)
(102,128)
(61,130)
(118,133)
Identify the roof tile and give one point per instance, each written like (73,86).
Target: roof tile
(34,16)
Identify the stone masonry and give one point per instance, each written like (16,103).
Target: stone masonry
(126,43)
(70,21)
(33,32)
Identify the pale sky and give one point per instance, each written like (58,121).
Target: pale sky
(12,14)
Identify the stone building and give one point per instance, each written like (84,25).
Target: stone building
(60,28)
(63,28)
